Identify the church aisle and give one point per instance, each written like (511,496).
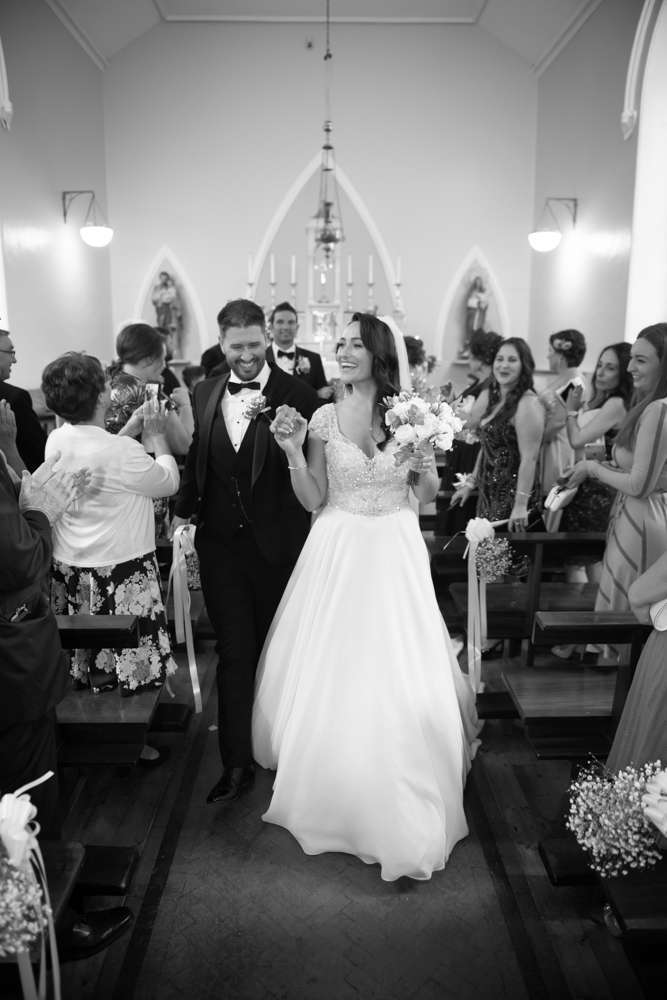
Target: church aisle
(228,907)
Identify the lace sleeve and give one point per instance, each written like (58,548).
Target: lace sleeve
(320,422)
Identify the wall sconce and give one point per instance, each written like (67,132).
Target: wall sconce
(94,233)
(547,237)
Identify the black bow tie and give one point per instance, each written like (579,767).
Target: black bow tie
(286,354)
(235,387)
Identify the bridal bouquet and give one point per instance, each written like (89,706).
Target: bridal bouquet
(611,819)
(420,423)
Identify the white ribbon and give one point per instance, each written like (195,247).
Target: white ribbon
(184,543)
(477,529)
(18,832)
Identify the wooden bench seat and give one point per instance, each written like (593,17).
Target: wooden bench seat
(507,604)
(639,902)
(101,730)
(98,631)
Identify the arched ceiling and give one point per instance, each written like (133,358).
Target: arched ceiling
(536,29)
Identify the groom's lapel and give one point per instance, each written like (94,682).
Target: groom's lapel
(206,425)
(263,433)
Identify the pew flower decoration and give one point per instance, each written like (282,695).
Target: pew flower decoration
(420,423)
(23,915)
(254,405)
(654,801)
(493,559)
(607,816)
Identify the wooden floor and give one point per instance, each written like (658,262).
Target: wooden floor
(229,907)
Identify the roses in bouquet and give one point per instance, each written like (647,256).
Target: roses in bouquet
(420,423)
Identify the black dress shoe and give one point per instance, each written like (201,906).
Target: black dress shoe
(95,931)
(231,784)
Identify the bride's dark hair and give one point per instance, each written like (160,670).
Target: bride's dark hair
(378,339)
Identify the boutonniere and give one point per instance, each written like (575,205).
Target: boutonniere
(254,406)
(302,366)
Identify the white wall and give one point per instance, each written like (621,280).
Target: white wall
(581,153)
(58,289)
(207,127)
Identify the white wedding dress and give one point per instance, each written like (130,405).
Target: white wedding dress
(360,702)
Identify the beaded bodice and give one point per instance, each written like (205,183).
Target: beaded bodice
(372,487)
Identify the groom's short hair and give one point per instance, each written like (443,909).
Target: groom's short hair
(241,313)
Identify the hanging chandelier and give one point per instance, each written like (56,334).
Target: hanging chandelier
(329,223)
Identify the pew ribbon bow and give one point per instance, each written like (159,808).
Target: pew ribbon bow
(18,832)
(477,530)
(184,544)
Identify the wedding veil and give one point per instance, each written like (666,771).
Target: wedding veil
(401,351)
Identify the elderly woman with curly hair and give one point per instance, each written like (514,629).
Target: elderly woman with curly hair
(104,547)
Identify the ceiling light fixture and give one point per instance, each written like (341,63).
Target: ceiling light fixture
(547,237)
(94,233)
(329,224)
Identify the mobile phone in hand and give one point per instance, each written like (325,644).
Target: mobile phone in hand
(564,392)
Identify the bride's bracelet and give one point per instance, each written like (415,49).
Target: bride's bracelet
(297,468)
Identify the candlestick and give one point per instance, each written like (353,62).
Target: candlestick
(370,269)
(272,269)
(349,269)
(293,275)
(398,269)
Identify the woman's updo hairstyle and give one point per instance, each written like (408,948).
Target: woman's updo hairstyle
(416,351)
(72,384)
(571,345)
(135,343)
(378,340)
(483,346)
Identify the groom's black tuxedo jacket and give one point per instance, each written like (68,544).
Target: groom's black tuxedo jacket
(279,522)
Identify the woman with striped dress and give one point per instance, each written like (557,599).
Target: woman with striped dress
(637,533)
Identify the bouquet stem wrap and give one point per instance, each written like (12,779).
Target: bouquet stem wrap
(184,537)
(18,833)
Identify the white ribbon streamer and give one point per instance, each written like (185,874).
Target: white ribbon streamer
(477,529)
(18,832)
(184,543)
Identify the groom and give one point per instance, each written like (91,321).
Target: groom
(251,526)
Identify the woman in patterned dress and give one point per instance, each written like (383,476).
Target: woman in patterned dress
(510,424)
(637,533)
(104,548)
(141,360)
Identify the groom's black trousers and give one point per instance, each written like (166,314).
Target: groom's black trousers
(242,592)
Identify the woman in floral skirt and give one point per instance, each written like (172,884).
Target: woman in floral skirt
(104,549)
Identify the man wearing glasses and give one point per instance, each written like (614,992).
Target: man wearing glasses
(30,435)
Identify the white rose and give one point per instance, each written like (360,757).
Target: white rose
(479,528)
(405,434)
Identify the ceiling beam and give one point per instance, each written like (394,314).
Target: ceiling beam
(578,19)
(78,33)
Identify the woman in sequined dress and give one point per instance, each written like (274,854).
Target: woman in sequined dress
(510,423)
(360,701)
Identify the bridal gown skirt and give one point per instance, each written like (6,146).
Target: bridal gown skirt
(360,701)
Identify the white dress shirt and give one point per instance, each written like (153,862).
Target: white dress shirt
(287,364)
(114,520)
(233,406)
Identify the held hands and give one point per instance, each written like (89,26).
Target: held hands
(52,492)
(7,426)
(289,429)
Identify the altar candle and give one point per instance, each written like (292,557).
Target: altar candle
(349,269)
(398,269)
(294,269)
(272,268)
(370,269)
(250,269)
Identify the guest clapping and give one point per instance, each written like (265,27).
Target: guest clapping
(104,548)
(638,525)
(510,424)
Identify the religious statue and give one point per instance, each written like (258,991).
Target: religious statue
(169,310)
(476,305)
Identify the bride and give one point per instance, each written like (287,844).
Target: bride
(360,702)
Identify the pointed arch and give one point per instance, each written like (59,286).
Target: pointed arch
(166,255)
(364,213)
(474,256)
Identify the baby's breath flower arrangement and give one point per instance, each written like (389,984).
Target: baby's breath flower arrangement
(493,559)
(23,914)
(607,818)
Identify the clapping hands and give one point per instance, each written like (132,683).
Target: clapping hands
(52,492)
(7,426)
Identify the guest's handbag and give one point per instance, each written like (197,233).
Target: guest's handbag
(559,497)
(658,613)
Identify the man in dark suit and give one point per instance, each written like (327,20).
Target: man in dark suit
(251,527)
(30,435)
(306,365)
(211,359)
